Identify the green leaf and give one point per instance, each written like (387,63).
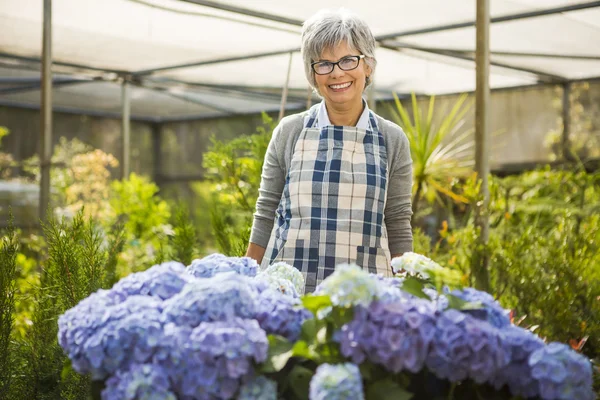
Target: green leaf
(457,303)
(280,351)
(340,316)
(299,378)
(304,350)
(314,303)
(386,389)
(415,287)
(310,328)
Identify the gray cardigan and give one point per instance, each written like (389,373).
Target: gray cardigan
(397,211)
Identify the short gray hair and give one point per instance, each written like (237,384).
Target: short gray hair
(327,29)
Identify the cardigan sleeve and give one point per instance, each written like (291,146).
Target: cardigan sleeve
(398,209)
(269,193)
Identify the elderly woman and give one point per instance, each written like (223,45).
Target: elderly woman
(336,181)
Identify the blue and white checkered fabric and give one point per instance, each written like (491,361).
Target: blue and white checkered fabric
(331,209)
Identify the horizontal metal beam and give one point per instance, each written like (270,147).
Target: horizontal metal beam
(76,111)
(246,11)
(213,61)
(544,76)
(504,18)
(404,45)
(37,86)
(63,64)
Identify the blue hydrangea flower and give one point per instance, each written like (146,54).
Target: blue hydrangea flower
(217,263)
(281,285)
(492,311)
(140,382)
(258,388)
(336,382)
(212,360)
(130,334)
(349,285)
(286,271)
(162,281)
(78,324)
(561,373)
(465,347)
(280,314)
(394,335)
(214,299)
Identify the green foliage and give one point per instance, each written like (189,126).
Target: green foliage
(544,250)
(145,216)
(8,275)
(440,151)
(80,260)
(184,242)
(236,167)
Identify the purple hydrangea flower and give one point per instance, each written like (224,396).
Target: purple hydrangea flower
(78,324)
(518,343)
(212,360)
(394,335)
(336,382)
(146,381)
(465,347)
(129,334)
(280,314)
(561,373)
(162,281)
(216,299)
(217,263)
(258,388)
(492,311)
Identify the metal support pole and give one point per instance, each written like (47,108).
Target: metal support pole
(566,117)
(156,153)
(285,88)
(125,128)
(46,112)
(482,102)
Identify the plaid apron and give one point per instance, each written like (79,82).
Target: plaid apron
(331,208)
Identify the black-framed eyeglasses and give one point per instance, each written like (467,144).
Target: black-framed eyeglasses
(347,63)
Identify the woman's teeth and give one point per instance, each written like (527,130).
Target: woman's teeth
(341,86)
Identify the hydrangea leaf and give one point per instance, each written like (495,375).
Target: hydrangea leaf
(280,351)
(299,378)
(415,287)
(457,303)
(314,303)
(387,389)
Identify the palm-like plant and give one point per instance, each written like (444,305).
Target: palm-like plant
(440,151)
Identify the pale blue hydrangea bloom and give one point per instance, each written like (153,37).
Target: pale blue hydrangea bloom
(282,285)
(349,285)
(336,382)
(212,360)
(219,298)
(130,333)
(561,373)
(218,263)
(78,324)
(519,344)
(280,314)
(492,311)
(139,382)
(258,388)
(162,281)
(286,271)
(395,335)
(465,347)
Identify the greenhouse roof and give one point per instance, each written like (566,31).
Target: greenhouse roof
(189,59)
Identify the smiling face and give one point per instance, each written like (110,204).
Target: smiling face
(342,87)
